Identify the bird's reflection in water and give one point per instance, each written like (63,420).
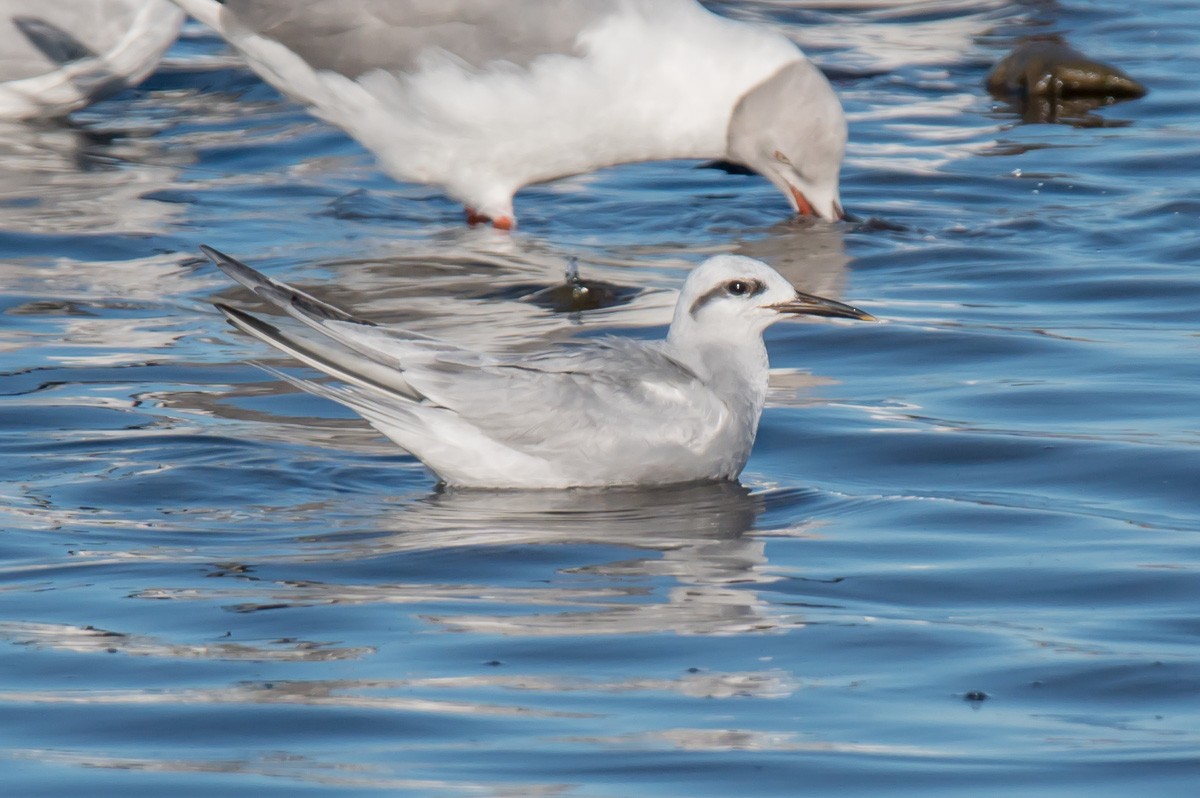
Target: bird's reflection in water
(60,179)
(812,256)
(692,570)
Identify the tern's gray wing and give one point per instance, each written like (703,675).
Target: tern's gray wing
(610,394)
(352,37)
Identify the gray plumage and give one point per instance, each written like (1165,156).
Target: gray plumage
(393,35)
(615,411)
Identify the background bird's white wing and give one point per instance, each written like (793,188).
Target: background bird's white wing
(56,57)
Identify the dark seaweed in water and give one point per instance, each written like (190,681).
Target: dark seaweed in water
(573,295)
(1049,81)
(576,294)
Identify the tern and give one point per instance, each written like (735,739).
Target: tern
(483,97)
(609,412)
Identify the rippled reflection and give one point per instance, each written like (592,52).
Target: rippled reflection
(308,770)
(880,34)
(60,179)
(692,569)
(698,533)
(90,640)
(417,695)
(749,740)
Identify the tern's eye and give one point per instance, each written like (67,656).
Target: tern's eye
(739,287)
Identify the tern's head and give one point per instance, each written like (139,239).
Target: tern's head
(732,297)
(791,130)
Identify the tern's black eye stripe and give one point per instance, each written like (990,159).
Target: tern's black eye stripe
(751,288)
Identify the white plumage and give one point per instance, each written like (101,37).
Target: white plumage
(616,411)
(57,56)
(482,97)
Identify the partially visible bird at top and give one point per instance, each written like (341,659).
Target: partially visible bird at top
(483,97)
(57,56)
(607,412)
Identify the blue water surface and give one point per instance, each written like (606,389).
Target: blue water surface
(964,559)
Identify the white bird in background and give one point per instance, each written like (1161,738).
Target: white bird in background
(608,412)
(57,56)
(483,97)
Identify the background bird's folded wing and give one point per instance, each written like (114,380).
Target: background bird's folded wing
(394,35)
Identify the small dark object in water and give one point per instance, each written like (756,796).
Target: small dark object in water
(874,224)
(976,695)
(1049,81)
(571,296)
(576,294)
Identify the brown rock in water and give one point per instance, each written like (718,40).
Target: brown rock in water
(1049,79)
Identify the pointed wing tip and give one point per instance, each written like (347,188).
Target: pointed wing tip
(226,263)
(295,302)
(245,322)
(55,43)
(262,285)
(229,311)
